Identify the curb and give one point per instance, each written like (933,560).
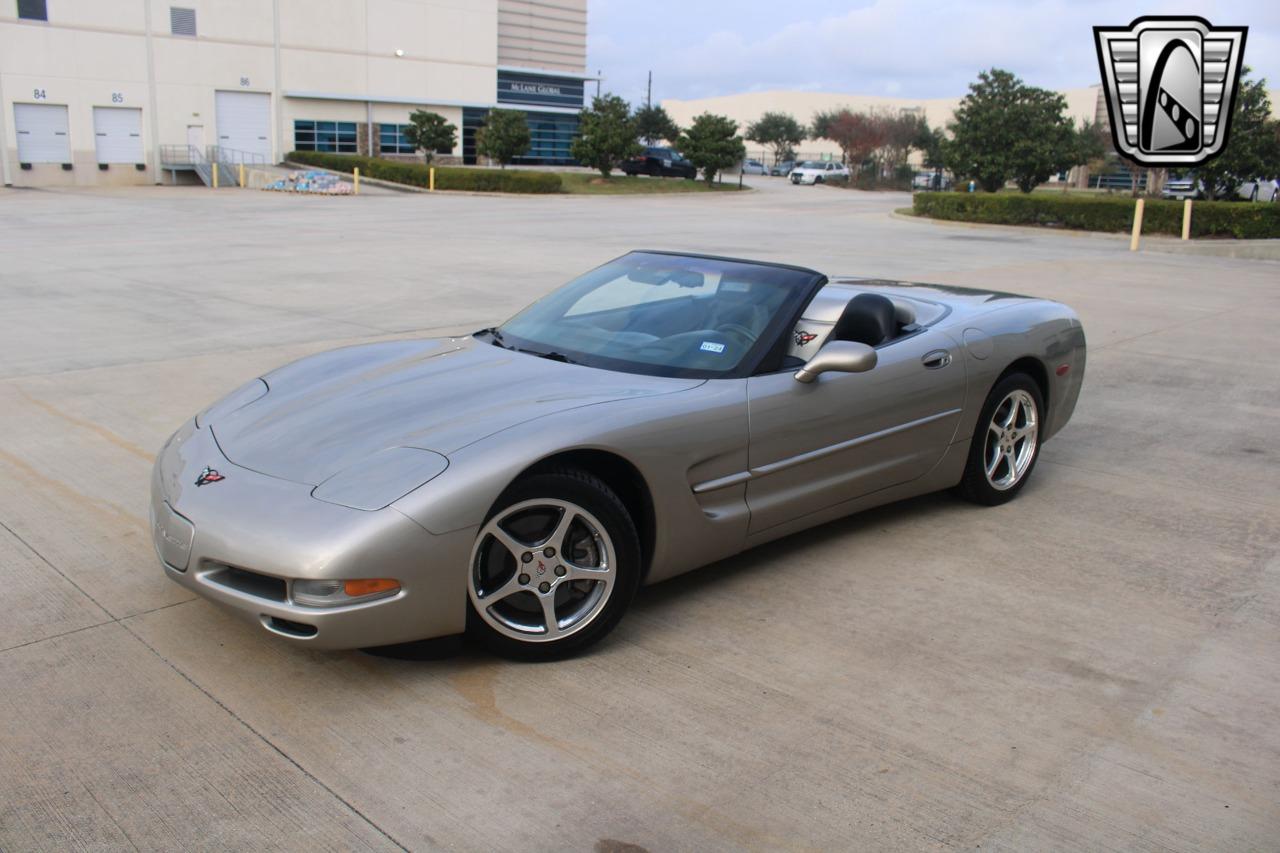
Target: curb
(1254,250)
(410,188)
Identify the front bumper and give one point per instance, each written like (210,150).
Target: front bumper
(242,540)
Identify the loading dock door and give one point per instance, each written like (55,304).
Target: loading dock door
(42,133)
(244,122)
(117,133)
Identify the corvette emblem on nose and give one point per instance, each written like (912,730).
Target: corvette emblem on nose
(208,475)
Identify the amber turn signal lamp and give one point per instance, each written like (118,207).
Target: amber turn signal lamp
(369,586)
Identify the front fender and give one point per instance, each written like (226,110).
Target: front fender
(673,440)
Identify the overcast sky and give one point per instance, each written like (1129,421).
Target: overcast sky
(907,48)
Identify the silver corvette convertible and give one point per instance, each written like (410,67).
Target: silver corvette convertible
(661,412)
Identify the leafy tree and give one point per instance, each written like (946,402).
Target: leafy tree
(859,135)
(1092,141)
(778,131)
(428,132)
(929,141)
(504,136)
(1005,129)
(1253,149)
(901,130)
(653,123)
(712,143)
(607,134)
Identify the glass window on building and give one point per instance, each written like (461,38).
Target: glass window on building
(550,134)
(338,137)
(391,140)
(33,10)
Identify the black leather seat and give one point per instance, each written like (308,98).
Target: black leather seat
(869,319)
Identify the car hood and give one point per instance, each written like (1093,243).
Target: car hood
(327,412)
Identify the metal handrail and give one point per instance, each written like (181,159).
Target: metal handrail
(234,157)
(180,155)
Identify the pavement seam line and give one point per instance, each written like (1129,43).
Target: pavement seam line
(260,736)
(111,616)
(112,621)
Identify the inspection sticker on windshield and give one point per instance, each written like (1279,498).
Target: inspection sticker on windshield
(708,346)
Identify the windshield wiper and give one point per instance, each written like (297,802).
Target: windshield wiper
(498,342)
(553,356)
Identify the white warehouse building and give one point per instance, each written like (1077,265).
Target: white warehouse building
(90,90)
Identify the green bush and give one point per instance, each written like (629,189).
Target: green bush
(1242,220)
(447,177)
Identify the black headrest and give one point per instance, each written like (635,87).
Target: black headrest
(869,319)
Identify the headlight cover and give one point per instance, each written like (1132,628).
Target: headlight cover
(248,393)
(382,479)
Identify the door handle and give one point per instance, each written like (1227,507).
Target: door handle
(936,360)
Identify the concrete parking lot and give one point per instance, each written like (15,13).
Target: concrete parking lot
(1093,666)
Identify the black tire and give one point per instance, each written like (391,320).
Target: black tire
(594,496)
(975,485)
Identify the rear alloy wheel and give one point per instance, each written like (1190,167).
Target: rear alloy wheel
(554,568)
(1006,442)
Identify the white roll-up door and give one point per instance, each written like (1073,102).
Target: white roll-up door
(42,133)
(117,134)
(244,121)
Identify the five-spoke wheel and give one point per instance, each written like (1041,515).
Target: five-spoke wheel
(1006,441)
(1011,440)
(553,567)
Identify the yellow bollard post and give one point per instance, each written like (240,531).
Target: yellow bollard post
(1137,224)
(356,188)
(1186,219)
(213,164)
(242,176)
(431,179)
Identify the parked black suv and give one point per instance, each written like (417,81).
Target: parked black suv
(660,162)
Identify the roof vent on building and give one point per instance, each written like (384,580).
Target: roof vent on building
(182,22)
(33,10)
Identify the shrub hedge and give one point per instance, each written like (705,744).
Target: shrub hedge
(1242,220)
(447,177)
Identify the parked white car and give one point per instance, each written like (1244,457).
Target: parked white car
(1184,187)
(817,172)
(931,180)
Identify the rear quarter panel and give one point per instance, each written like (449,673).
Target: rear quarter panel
(992,341)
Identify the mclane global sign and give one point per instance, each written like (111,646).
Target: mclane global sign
(1170,85)
(535,88)
(539,90)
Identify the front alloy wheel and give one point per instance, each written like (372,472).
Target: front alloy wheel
(554,568)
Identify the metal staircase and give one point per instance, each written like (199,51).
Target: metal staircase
(225,162)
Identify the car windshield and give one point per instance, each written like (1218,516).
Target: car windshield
(664,315)
(811,164)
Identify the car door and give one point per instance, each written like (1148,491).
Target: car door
(814,445)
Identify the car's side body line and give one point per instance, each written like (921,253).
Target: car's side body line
(800,459)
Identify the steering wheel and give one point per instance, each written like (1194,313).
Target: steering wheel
(739,330)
